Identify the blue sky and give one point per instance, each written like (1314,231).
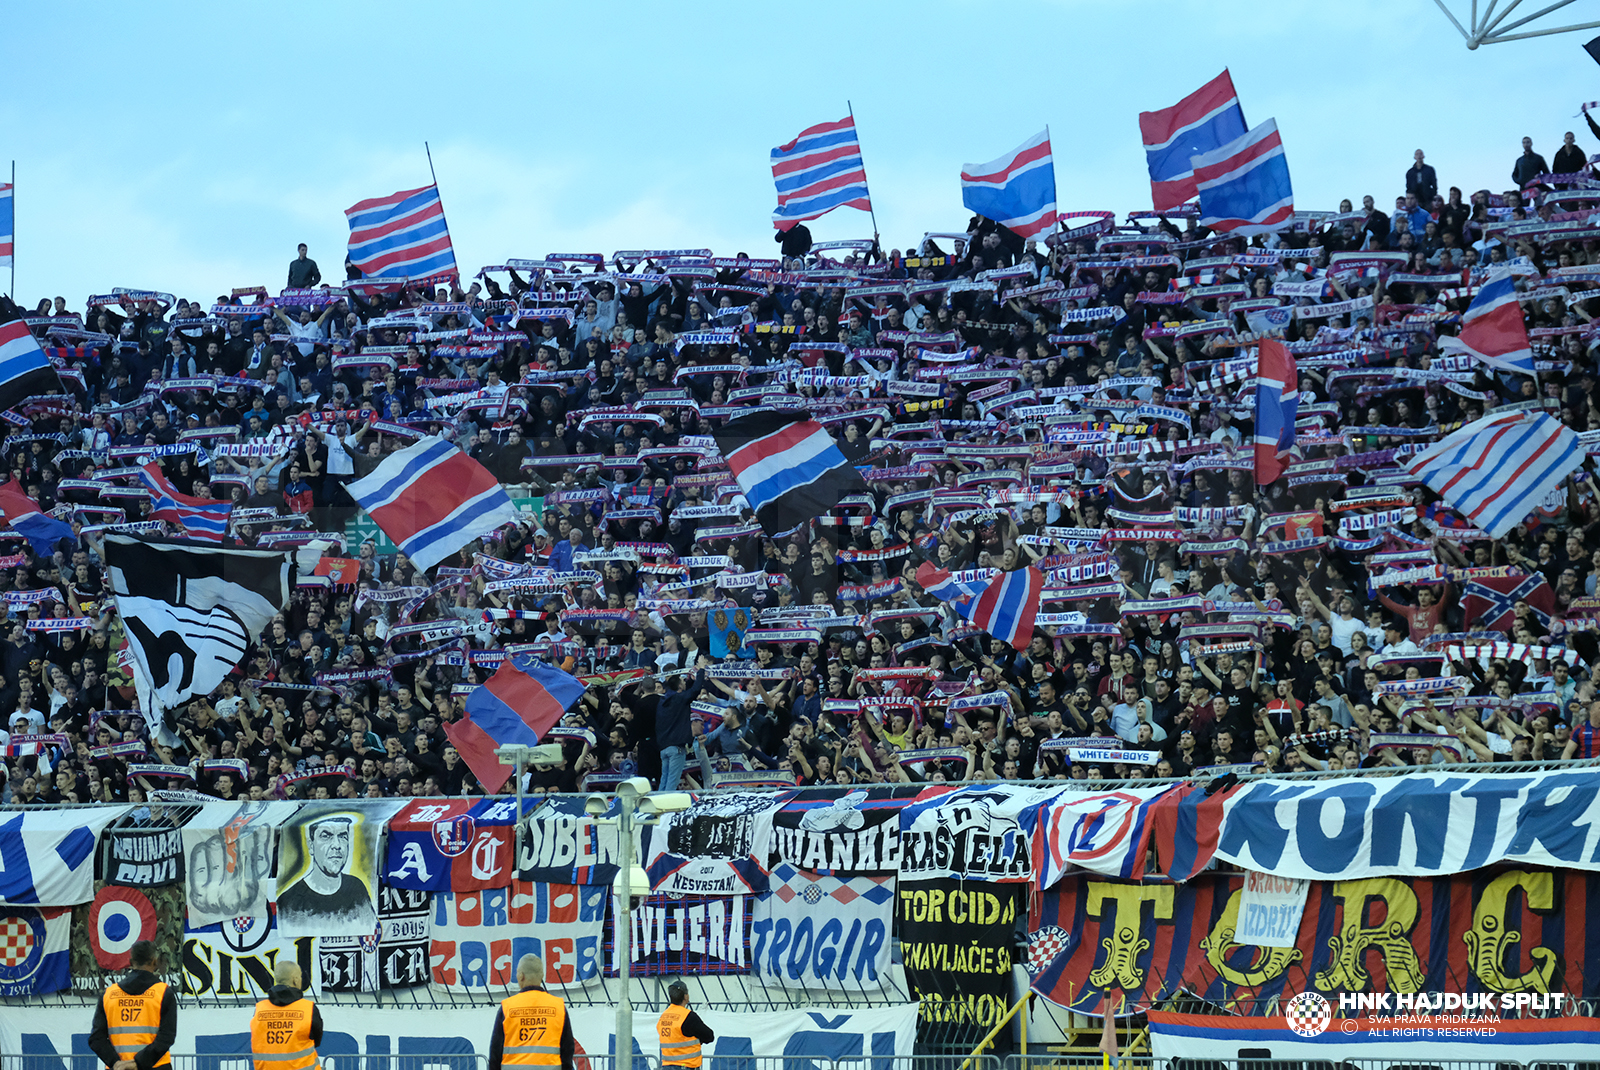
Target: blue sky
(189,148)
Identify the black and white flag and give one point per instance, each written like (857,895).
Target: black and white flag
(190,612)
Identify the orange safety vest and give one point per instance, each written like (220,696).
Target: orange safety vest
(132,1021)
(531,1029)
(677,1049)
(280,1037)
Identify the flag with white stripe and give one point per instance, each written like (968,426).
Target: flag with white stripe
(403,234)
(818,171)
(8,226)
(205,519)
(1018,190)
(24,369)
(789,467)
(1497,470)
(1008,606)
(1492,329)
(432,499)
(1244,185)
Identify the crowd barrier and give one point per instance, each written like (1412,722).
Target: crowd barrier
(1075,1060)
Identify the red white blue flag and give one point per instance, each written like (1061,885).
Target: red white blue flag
(24,369)
(200,518)
(1018,190)
(7,223)
(523,700)
(1244,185)
(819,171)
(789,467)
(1492,330)
(948,586)
(1497,470)
(1277,403)
(1206,119)
(432,499)
(403,235)
(1007,607)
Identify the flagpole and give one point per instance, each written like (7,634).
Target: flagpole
(13,292)
(445,218)
(870,211)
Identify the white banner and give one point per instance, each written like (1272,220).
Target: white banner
(716,847)
(1417,825)
(328,859)
(823,932)
(228,850)
(479,936)
(806,1040)
(47,856)
(1270,909)
(969,833)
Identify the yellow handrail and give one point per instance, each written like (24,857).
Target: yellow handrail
(1001,1024)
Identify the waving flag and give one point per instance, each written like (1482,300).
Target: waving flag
(1277,402)
(523,700)
(789,468)
(1007,607)
(1018,190)
(1497,470)
(819,171)
(21,512)
(1493,330)
(200,518)
(402,234)
(1206,119)
(8,227)
(1491,603)
(432,499)
(1244,185)
(24,369)
(948,586)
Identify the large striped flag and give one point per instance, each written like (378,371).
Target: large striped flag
(1493,330)
(205,519)
(819,171)
(788,466)
(1018,190)
(1497,470)
(432,499)
(1206,119)
(8,223)
(523,700)
(24,369)
(1277,404)
(403,234)
(1007,607)
(1244,185)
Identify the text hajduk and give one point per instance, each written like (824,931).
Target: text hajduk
(1450,1001)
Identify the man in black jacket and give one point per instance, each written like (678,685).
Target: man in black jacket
(672,726)
(303,272)
(1421,180)
(146,1013)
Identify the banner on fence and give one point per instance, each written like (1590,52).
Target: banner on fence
(328,866)
(955,945)
(479,936)
(816,931)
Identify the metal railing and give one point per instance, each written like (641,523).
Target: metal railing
(834,790)
(819,1060)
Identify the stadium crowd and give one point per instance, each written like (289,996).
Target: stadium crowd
(1084,404)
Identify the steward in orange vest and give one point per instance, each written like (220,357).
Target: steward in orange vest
(531,1028)
(286,1027)
(681,1030)
(136,1020)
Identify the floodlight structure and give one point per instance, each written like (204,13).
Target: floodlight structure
(1487,23)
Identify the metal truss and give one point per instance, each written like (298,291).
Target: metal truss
(1489,27)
